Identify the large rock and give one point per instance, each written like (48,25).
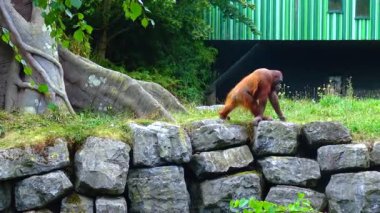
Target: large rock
(77,203)
(276,138)
(285,195)
(209,135)
(5,195)
(39,211)
(291,171)
(218,162)
(38,191)
(111,204)
(375,154)
(160,144)
(159,189)
(354,192)
(216,194)
(101,167)
(343,157)
(20,162)
(325,133)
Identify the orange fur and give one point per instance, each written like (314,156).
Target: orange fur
(252,93)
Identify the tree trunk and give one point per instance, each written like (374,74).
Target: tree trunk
(37,48)
(88,85)
(94,87)
(101,48)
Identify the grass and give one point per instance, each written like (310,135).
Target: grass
(361,116)
(23,129)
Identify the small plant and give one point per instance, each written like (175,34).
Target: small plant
(252,205)
(349,88)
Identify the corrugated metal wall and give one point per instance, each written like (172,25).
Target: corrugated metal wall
(298,20)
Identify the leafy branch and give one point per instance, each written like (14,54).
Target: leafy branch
(252,205)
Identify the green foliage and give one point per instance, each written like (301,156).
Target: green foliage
(230,10)
(363,121)
(43,88)
(173,48)
(6,38)
(22,129)
(54,13)
(252,205)
(360,116)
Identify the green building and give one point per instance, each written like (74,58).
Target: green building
(312,41)
(302,20)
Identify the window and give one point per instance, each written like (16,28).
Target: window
(335,6)
(362,9)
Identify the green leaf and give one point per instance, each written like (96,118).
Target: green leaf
(18,57)
(144,22)
(5,37)
(40,3)
(301,195)
(79,35)
(243,203)
(136,10)
(43,88)
(65,43)
(28,70)
(57,6)
(50,18)
(231,203)
(89,29)
(52,106)
(76,3)
(236,203)
(80,16)
(68,3)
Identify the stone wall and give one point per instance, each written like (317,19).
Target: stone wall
(196,168)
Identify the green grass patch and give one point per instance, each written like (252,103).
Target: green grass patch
(361,116)
(27,129)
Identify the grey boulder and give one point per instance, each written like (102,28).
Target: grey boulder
(38,191)
(111,205)
(21,162)
(354,192)
(215,134)
(291,171)
(334,158)
(375,154)
(218,162)
(216,194)
(5,195)
(159,189)
(39,211)
(77,203)
(285,195)
(159,144)
(101,167)
(319,134)
(276,138)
